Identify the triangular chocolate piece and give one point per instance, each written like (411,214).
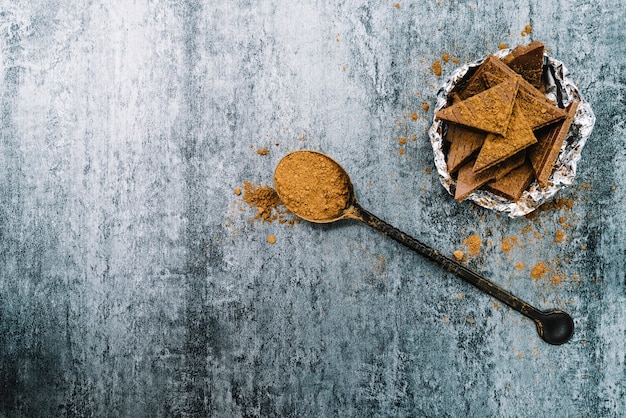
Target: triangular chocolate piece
(468,181)
(465,142)
(550,140)
(488,111)
(497,148)
(476,83)
(538,110)
(527,61)
(495,66)
(512,185)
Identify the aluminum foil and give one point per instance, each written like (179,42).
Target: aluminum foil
(560,89)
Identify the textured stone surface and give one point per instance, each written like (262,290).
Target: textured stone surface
(135,282)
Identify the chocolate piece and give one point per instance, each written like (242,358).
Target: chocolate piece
(468,181)
(527,61)
(512,185)
(538,110)
(476,83)
(464,143)
(488,111)
(502,72)
(550,140)
(497,148)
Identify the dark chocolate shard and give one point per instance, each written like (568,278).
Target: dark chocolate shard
(527,61)
(544,154)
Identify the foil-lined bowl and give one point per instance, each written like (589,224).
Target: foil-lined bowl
(560,89)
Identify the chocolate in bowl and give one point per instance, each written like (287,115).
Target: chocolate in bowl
(560,89)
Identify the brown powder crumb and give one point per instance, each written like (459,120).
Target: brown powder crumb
(263,151)
(458,255)
(507,243)
(263,198)
(519,265)
(562,203)
(436,68)
(528,29)
(271,239)
(402,140)
(401,151)
(445,57)
(238,191)
(267,203)
(502,45)
(425,107)
(556,280)
(397,5)
(559,236)
(414,116)
(473,243)
(527,229)
(538,270)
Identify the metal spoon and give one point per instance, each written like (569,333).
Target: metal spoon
(554,326)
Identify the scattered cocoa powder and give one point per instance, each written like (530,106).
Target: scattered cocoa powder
(263,198)
(425,106)
(528,29)
(507,243)
(559,236)
(538,270)
(436,68)
(458,254)
(263,151)
(271,239)
(473,243)
(557,279)
(267,203)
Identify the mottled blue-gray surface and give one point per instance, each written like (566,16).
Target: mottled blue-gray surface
(135,282)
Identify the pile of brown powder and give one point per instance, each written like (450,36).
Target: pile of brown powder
(436,68)
(267,203)
(538,270)
(473,243)
(507,243)
(312,185)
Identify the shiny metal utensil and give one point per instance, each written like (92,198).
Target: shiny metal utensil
(292,176)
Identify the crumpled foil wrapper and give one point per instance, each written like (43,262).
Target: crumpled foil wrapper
(561,90)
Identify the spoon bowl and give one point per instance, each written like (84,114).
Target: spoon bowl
(317,189)
(555,327)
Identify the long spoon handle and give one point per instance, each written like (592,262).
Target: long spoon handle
(554,327)
(449,264)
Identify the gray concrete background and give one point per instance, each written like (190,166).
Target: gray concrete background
(135,282)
